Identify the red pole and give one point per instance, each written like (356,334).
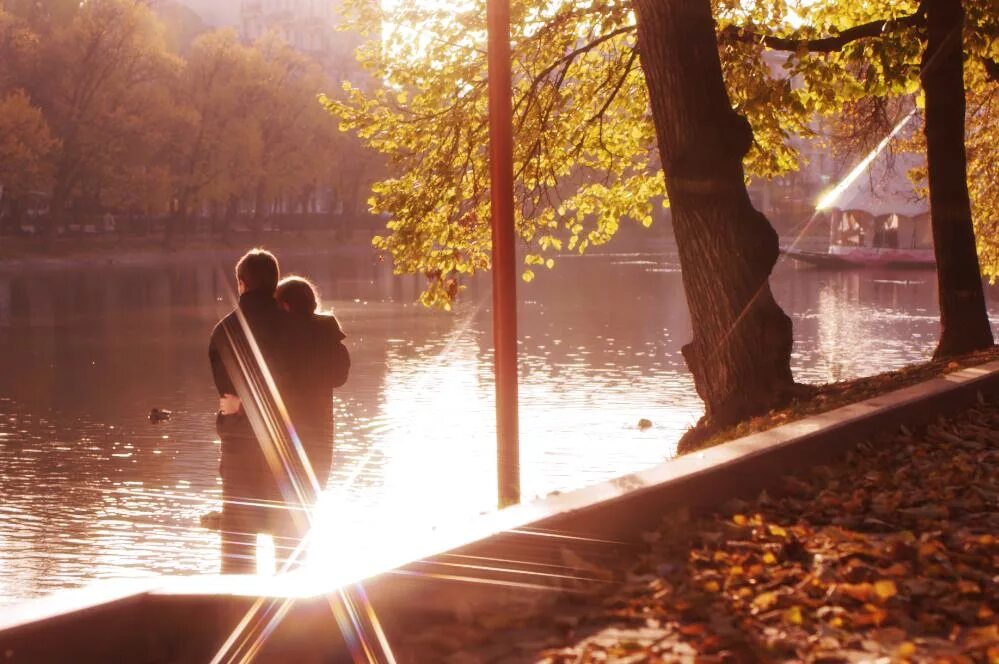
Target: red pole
(504,252)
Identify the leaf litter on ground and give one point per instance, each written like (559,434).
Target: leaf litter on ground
(891,555)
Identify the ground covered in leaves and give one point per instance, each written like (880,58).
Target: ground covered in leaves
(891,555)
(822,398)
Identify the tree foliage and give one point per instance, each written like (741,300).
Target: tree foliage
(584,157)
(26,145)
(98,111)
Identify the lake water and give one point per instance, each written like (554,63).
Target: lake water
(89,489)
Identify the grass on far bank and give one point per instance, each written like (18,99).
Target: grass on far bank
(824,398)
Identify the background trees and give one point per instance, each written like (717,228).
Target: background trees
(90,77)
(26,147)
(216,153)
(104,107)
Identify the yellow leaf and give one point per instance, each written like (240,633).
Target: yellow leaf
(765,601)
(739,519)
(794,616)
(968,587)
(712,586)
(858,591)
(907,649)
(777,531)
(769,559)
(885,588)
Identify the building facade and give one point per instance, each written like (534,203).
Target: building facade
(309,26)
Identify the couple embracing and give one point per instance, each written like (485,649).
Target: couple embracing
(275,361)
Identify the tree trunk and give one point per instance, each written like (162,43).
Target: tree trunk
(231,212)
(14,215)
(176,222)
(740,354)
(258,209)
(56,218)
(964,320)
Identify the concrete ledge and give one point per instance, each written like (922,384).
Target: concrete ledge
(519,557)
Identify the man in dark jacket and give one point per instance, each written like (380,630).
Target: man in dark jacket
(275,371)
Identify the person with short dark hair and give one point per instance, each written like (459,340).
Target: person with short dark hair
(249,489)
(258,270)
(266,486)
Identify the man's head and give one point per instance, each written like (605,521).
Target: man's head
(256,271)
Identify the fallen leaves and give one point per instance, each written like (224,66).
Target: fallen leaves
(892,555)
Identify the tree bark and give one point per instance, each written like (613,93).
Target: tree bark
(964,319)
(740,353)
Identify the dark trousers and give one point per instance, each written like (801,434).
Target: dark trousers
(251,506)
(252,502)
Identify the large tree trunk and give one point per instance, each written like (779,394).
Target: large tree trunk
(964,321)
(740,354)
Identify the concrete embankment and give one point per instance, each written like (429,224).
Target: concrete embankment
(520,560)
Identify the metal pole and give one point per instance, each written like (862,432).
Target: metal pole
(504,253)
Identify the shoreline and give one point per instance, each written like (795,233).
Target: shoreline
(145,252)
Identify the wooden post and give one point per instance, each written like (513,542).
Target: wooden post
(504,252)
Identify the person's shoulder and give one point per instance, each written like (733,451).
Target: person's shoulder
(329,324)
(228,318)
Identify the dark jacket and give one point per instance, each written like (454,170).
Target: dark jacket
(306,359)
(320,364)
(242,455)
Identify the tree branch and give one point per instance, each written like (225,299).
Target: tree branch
(992,69)
(566,61)
(824,44)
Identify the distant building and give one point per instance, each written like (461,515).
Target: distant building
(309,26)
(788,201)
(217,13)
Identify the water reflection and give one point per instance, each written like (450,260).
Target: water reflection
(90,489)
(859,322)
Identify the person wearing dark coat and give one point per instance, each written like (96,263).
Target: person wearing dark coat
(323,367)
(249,488)
(275,461)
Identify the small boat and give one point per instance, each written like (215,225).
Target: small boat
(861,239)
(876,216)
